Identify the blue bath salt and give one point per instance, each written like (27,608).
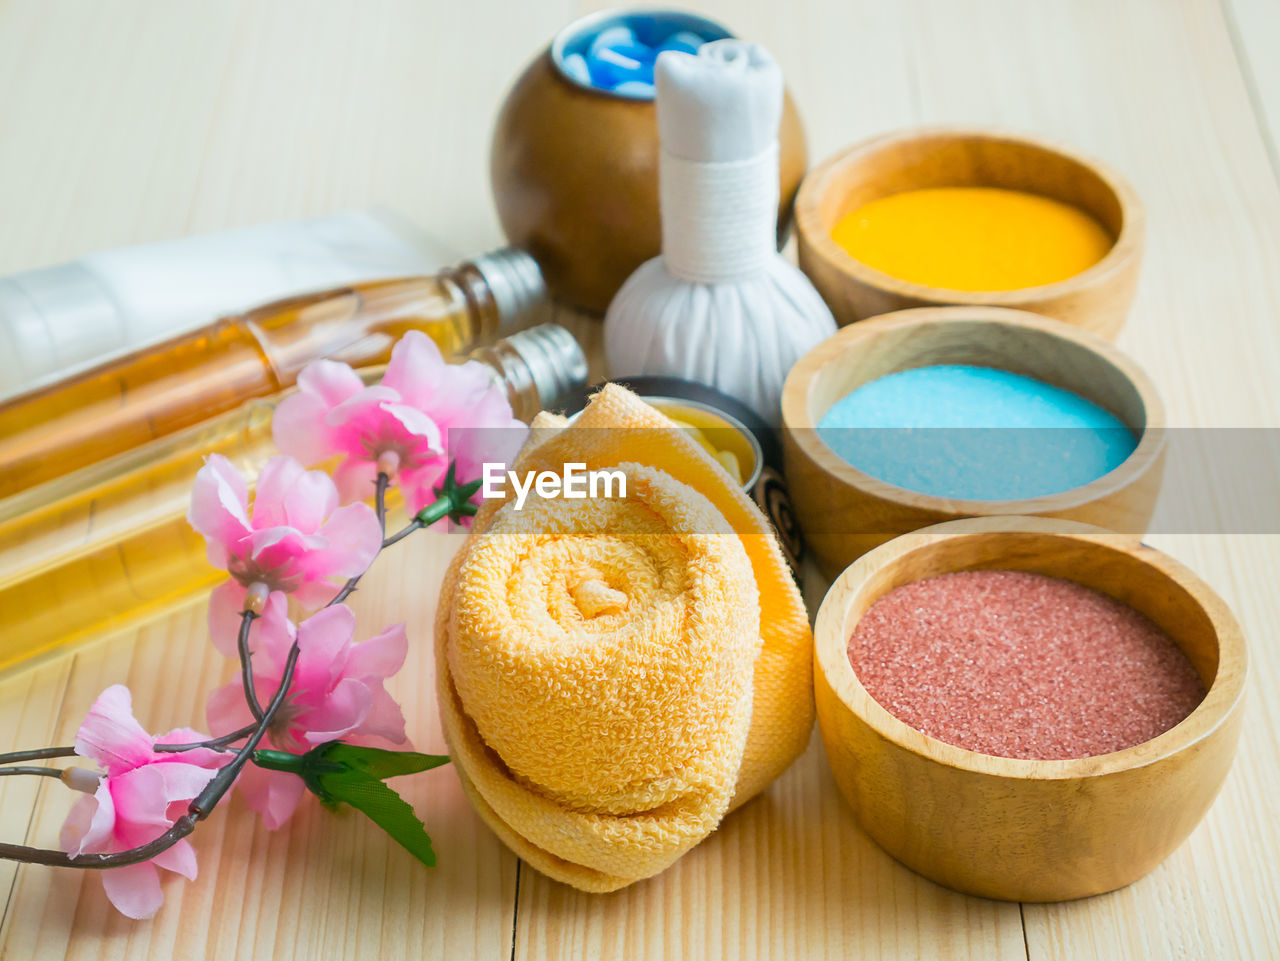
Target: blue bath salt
(613,66)
(974,433)
(616,36)
(635,88)
(621,59)
(575,65)
(684,41)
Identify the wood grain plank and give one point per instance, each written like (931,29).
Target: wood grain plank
(105,111)
(29,708)
(135,121)
(1155,89)
(325,885)
(1255,32)
(788,876)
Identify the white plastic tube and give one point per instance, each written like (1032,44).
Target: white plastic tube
(57,320)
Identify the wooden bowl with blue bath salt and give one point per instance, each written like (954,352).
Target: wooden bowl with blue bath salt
(933,414)
(574,158)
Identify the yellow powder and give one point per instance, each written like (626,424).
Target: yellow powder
(973,238)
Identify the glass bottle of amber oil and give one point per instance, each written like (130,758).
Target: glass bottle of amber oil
(137,397)
(98,548)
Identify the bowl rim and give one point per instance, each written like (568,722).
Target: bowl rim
(809,227)
(600,18)
(802,430)
(730,423)
(1221,699)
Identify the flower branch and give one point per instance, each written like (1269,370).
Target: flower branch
(452,503)
(326,709)
(37,771)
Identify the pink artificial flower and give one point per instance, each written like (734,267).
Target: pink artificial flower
(404,421)
(297,539)
(142,793)
(336,693)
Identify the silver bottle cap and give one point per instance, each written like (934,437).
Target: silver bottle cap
(553,360)
(516,283)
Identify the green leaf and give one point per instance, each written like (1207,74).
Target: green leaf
(383,806)
(377,762)
(336,772)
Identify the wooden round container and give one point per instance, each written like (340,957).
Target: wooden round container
(1097,299)
(1023,830)
(574,170)
(845,512)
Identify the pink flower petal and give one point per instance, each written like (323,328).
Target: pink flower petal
(416,424)
(219,507)
(141,800)
(385,719)
(323,640)
(80,835)
(182,782)
(204,757)
(269,636)
(289,495)
(418,486)
(380,656)
(110,735)
(226,710)
(273,794)
(330,381)
(299,429)
(313,595)
(103,822)
(357,420)
(343,710)
(271,646)
(355,479)
(275,479)
(310,500)
(416,364)
(457,392)
(278,550)
(226,602)
(134,890)
(494,410)
(298,425)
(180,859)
(354,537)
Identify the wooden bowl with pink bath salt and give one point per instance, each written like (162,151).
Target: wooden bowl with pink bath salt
(1019,828)
(1097,298)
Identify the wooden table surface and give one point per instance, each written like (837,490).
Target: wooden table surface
(146,119)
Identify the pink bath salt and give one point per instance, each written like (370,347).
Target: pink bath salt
(1022,665)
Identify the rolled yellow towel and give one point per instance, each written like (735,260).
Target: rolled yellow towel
(616,674)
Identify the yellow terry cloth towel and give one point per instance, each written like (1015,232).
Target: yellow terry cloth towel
(615,675)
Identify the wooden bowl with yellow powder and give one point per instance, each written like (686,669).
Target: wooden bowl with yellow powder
(938,216)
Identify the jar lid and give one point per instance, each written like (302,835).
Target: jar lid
(680,389)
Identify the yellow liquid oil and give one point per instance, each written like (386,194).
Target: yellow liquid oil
(109,545)
(973,238)
(123,404)
(105,546)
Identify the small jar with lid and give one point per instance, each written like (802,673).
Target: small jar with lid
(574,164)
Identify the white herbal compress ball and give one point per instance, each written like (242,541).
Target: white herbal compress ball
(720,306)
